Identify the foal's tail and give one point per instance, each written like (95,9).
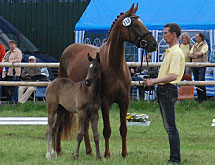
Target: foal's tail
(68,126)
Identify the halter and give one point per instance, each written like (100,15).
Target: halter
(142,43)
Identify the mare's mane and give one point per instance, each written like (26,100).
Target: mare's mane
(109,31)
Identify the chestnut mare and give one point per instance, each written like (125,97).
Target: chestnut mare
(82,98)
(116,77)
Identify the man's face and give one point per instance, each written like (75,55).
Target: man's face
(198,39)
(12,46)
(32,61)
(168,37)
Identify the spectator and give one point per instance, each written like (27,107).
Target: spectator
(27,74)
(171,72)
(186,47)
(2,54)
(14,55)
(199,53)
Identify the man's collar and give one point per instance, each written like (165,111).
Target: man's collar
(199,43)
(13,50)
(173,47)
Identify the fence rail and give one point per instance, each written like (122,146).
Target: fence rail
(133,83)
(130,64)
(23,120)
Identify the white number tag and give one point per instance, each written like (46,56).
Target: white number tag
(126,21)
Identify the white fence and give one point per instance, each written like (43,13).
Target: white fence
(130,64)
(23,120)
(43,120)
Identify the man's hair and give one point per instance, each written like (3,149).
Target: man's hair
(12,41)
(201,35)
(173,27)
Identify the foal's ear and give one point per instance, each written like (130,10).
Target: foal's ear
(98,57)
(89,57)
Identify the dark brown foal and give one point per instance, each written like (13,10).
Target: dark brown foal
(82,98)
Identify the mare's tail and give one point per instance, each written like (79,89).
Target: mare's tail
(68,126)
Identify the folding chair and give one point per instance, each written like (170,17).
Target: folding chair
(40,93)
(186,92)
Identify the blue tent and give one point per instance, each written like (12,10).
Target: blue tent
(189,14)
(192,15)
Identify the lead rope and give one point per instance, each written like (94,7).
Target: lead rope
(141,64)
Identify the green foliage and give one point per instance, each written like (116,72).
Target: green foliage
(146,145)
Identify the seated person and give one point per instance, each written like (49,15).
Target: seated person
(27,73)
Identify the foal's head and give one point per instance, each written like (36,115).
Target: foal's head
(94,70)
(133,30)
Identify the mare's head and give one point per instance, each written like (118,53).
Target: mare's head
(94,70)
(133,30)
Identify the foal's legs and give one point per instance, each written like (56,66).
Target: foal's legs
(81,117)
(106,130)
(54,131)
(51,113)
(123,106)
(94,124)
(87,138)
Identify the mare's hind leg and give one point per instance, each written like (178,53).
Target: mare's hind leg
(81,117)
(106,130)
(123,106)
(51,113)
(94,123)
(87,138)
(55,128)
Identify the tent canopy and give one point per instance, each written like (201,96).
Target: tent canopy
(192,14)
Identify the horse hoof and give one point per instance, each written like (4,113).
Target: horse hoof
(48,156)
(107,156)
(124,155)
(90,153)
(75,157)
(59,154)
(99,158)
(54,153)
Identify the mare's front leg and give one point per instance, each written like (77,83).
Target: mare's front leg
(94,124)
(87,138)
(123,106)
(81,117)
(107,129)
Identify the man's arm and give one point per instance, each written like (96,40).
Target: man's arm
(171,77)
(18,57)
(192,55)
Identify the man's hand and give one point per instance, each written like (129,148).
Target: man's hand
(149,82)
(192,55)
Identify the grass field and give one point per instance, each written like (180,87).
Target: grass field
(146,145)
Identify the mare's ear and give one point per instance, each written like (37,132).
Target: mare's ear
(131,9)
(135,9)
(89,57)
(98,57)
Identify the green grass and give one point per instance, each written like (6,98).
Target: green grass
(146,145)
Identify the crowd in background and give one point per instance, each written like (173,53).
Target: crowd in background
(19,94)
(192,53)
